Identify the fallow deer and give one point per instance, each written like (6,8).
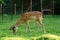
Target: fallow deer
(33,15)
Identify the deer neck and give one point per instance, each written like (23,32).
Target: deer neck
(18,23)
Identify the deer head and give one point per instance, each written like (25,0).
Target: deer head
(14,29)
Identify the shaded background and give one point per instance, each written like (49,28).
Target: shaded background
(9,7)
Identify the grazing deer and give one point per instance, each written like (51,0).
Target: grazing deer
(33,15)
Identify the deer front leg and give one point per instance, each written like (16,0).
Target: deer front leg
(37,23)
(43,28)
(27,26)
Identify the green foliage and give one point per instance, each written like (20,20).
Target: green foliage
(1,1)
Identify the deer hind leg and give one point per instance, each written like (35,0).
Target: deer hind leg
(43,28)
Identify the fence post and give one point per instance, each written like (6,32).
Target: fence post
(15,8)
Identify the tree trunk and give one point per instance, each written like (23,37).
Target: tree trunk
(30,5)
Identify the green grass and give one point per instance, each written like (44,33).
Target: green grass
(52,25)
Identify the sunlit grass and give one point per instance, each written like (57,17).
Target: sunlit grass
(13,38)
(41,37)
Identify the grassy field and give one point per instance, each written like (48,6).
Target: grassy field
(52,25)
